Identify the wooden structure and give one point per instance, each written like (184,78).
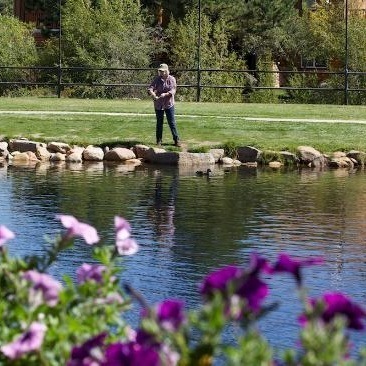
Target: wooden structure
(38,17)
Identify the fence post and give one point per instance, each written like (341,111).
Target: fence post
(198,97)
(346,55)
(59,70)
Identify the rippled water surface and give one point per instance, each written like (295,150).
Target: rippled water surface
(188,225)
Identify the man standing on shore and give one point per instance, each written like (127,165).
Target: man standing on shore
(162,90)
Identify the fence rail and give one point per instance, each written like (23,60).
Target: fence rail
(56,79)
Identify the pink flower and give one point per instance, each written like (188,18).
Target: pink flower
(5,235)
(127,246)
(77,228)
(124,243)
(29,341)
(112,298)
(122,227)
(90,272)
(44,286)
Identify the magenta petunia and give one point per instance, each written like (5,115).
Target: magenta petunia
(89,353)
(5,235)
(90,272)
(77,228)
(338,304)
(132,354)
(293,266)
(254,291)
(170,314)
(233,281)
(29,341)
(44,285)
(220,280)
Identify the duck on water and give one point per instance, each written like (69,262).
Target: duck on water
(202,173)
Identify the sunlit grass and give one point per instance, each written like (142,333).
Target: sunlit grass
(199,124)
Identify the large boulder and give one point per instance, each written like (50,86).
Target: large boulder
(75,155)
(311,157)
(4,152)
(42,153)
(119,154)
(93,153)
(359,156)
(218,154)
(140,151)
(186,158)
(58,147)
(160,156)
(249,154)
(23,145)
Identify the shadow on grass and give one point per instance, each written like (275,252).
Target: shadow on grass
(123,143)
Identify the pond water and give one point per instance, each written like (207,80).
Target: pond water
(188,225)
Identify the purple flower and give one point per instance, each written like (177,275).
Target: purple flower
(131,354)
(43,285)
(89,353)
(254,291)
(90,272)
(147,339)
(29,341)
(5,235)
(77,228)
(124,243)
(338,304)
(220,280)
(233,281)
(170,314)
(293,266)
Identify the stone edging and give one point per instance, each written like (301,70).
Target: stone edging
(22,150)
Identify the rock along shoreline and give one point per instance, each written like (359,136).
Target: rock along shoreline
(23,151)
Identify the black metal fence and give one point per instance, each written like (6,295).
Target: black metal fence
(58,78)
(134,80)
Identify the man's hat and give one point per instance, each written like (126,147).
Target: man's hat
(163,67)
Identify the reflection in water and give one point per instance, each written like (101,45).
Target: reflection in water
(187,225)
(161,213)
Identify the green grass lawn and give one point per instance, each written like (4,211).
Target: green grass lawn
(200,125)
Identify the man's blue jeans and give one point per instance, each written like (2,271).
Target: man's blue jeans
(170,115)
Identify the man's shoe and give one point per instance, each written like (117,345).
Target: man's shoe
(178,144)
(158,143)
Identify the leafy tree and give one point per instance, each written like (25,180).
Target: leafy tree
(325,40)
(6,7)
(17,48)
(214,54)
(104,34)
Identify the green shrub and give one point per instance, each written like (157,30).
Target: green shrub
(17,49)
